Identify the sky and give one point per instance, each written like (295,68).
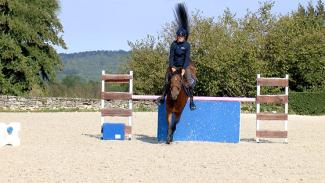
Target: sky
(109,24)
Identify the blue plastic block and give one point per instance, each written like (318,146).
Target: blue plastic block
(113,131)
(214,121)
(9,130)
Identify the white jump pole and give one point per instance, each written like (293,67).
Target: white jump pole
(286,108)
(130,101)
(102,101)
(258,107)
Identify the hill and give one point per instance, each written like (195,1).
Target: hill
(88,65)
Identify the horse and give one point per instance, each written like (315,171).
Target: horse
(176,100)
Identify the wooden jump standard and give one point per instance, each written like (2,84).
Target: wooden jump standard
(272,99)
(108,96)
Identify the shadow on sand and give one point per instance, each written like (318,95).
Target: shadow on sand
(140,137)
(252,140)
(147,139)
(98,136)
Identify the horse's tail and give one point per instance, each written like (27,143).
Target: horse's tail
(181,17)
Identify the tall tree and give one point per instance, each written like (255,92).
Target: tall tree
(229,52)
(28,31)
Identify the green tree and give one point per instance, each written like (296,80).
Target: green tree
(148,62)
(296,46)
(229,52)
(74,86)
(225,51)
(28,31)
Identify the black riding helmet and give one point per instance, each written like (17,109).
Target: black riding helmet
(182,32)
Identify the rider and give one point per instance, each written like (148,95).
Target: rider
(179,57)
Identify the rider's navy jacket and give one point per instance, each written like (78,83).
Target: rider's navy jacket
(179,55)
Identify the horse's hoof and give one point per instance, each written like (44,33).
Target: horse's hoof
(169,140)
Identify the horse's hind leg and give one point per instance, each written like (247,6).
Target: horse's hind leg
(169,133)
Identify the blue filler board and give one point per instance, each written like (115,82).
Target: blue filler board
(113,131)
(214,121)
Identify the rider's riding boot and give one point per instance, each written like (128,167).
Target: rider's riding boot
(161,99)
(192,105)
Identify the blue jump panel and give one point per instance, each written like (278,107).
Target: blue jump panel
(214,121)
(113,131)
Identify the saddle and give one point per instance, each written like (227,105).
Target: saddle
(185,83)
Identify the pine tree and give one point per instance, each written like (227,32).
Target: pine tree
(28,31)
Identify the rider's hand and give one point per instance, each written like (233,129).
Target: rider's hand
(183,72)
(173,69)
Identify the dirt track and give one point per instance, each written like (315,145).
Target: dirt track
(64,147)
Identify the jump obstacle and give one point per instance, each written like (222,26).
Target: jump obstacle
(9,134)
(116,131)
(216,119)
(272,99)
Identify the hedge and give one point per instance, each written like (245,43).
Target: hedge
(307,103)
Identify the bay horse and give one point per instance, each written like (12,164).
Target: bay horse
(176,100)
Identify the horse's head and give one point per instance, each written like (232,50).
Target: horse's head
(176,84)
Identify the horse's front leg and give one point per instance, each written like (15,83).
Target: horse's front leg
(173,128)
(169,125)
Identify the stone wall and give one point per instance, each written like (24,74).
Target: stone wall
(14,103)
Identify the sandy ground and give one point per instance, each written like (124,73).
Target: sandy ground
(64,147)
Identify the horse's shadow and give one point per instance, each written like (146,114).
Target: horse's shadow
(146,139)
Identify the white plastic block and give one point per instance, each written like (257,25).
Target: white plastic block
(9,134)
